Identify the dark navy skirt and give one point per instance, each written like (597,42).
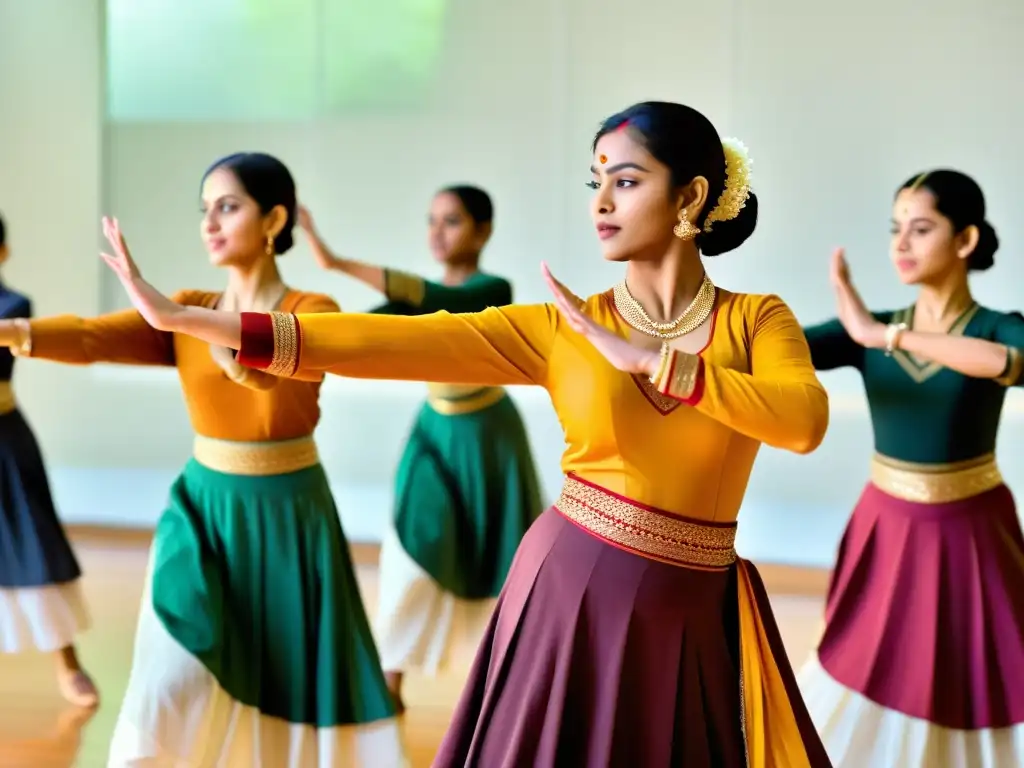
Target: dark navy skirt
(34,551)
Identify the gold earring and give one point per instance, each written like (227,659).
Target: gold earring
(684,230)
(270,245)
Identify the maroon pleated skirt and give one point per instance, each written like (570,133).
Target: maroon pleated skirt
(925,611)
(597,657)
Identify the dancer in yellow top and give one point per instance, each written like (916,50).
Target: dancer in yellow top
(628,629)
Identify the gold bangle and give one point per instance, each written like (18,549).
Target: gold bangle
(662,364)
(893,332)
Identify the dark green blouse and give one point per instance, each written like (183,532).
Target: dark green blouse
(409,294)
(924,412)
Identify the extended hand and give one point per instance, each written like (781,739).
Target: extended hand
(855,317)
(616,350)
(154,307)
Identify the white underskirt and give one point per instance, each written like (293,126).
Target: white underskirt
(175,714)
(44,618)
(419,627)
(858,733)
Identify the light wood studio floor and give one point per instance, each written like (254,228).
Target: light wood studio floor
(37,730)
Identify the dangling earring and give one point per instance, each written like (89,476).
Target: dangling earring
(684,230)
(270,245)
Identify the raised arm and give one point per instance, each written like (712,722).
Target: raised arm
(425,296)
(1002,359)
(118,337)
(499,346)
(780,402)
(831,346)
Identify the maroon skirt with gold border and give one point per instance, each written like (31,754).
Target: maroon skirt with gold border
(627,635)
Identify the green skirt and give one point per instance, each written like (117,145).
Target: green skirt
(252,576)
(467,491)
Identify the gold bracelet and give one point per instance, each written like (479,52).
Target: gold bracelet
(662,364)
(893,332)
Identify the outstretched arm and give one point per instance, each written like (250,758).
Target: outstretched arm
(1001,360)
(510,345)
(118,337)
(780,402)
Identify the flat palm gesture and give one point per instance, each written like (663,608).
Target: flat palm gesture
(154,307)
(853,314)
(616,350)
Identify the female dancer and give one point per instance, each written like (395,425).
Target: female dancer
(628,630)
(41,600)
(253,647)
(467,488)
(925,613)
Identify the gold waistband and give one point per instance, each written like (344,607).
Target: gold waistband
(646,531)
(455,400)
(270,458)
(935,483)
(7,402)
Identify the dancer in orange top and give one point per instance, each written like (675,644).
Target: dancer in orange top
(253,646)
(628,629)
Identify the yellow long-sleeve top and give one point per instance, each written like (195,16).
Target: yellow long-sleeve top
(218,406)
(685,445)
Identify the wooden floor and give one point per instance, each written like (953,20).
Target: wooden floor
(37,730)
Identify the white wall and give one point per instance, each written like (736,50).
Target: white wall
(837,106)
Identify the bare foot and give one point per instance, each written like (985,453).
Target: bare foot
(78,688)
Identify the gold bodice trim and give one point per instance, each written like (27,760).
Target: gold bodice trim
(269,458)
(646,531)
(935,483)
(459,399)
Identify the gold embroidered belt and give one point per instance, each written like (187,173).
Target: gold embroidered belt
(458,399)
(7,402)
(935,483)
(270,458)
(646,531)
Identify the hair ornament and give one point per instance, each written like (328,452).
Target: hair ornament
(737,183)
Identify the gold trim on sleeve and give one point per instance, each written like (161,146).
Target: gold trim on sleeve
(645,531)
(1014,368)
(679,378)
(935,483)
(403,286)
(22,347)
(286,344)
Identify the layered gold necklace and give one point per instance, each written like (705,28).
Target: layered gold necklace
(692,318)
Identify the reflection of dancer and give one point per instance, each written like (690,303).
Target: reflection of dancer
(467,488)
(920,661)
(41,602)
(253,646)
(625,633)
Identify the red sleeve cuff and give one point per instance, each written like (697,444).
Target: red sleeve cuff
(270,342)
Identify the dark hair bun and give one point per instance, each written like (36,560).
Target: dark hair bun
(728,235)
(285,239)
(984,254)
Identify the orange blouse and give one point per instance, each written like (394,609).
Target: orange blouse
(218,406)
(685,444)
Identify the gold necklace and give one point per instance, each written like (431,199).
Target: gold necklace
(692,318)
